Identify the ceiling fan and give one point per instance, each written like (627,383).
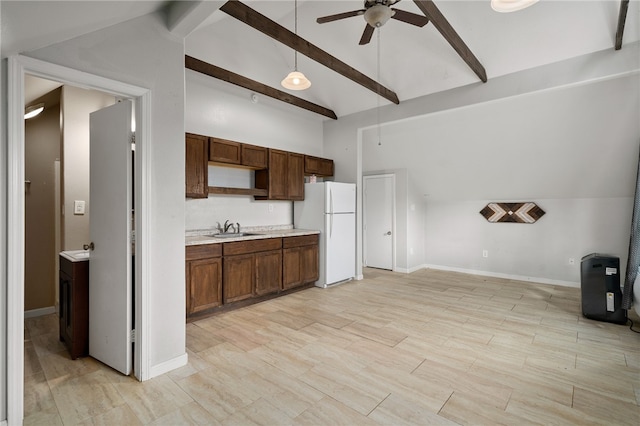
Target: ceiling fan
(377,13)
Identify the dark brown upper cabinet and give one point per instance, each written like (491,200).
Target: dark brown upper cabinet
(318,166)
(196,167)
(235,153)
(284,178)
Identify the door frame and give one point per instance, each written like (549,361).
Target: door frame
(18,66)
(393,216)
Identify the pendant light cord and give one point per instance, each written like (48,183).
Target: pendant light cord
(378,88)
(295,31)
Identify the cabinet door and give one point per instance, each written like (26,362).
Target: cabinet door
(295,177)
(66,331)
(196,166)
(204,284)
(277,175)
(224,151)
(318,166)
(268,267)
(238,278)
(254,156)
(291,276)
(309,264)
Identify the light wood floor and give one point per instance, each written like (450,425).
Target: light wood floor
(430,347)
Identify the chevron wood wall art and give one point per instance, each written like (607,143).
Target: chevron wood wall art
(512,212)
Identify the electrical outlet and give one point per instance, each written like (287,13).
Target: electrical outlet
(572,261)
(270,208)
(485,253)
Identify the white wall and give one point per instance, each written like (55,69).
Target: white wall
(3,240)
(216,108)
(77,104)
(456,234)
(142,52)
(532,136)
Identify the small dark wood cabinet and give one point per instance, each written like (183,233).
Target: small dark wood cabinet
(196,167)
(203,278)
(251,268)
(284,179)
(318,166)
(74,306)
(300,262)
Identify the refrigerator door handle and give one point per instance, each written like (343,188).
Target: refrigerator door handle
(330,225)
(330,200)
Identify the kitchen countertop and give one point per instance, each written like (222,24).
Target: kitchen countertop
(192,240)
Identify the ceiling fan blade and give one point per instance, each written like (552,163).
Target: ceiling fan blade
(366,35)
(444,27)
(331,18)
(410,18)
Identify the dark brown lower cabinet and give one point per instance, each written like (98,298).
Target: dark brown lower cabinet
(300,264)
(268,272)
(252,268)
(239,273)
(203,278)
(74,306)
(224,273)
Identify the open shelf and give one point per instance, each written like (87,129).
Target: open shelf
(236,191)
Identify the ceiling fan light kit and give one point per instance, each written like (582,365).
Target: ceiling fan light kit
(296,81)
(505,6)
(378,15)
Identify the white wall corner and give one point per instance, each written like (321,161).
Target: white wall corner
(166,366)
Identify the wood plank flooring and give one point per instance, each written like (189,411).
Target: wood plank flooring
(429,347)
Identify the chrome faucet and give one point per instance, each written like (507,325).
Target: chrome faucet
(223,229)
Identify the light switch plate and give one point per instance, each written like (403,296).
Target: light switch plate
(78,207)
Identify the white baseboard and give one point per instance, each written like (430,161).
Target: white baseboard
(167,366)
(506,276)
(409,270)
(39,312)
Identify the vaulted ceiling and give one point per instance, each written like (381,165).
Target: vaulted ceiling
(413,61)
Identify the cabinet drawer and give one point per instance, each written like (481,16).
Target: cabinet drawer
(251,246)
(203,251)
(302,240)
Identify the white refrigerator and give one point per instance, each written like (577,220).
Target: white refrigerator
(331,208)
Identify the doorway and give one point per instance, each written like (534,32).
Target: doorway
(379,221)
(18,67)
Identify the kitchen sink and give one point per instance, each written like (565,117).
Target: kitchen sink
(233,235)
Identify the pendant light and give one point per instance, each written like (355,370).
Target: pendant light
(505,6)
(296,80)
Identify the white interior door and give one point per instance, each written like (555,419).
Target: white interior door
(378,221)
(110,308)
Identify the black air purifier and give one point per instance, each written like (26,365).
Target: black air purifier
(600,287)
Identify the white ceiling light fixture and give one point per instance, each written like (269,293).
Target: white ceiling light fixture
(295,80)
(33,110)
(505,6)
(378,15)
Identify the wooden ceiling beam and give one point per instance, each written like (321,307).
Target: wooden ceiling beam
(254,19)
(255,86)
(622,18)
(440,22)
